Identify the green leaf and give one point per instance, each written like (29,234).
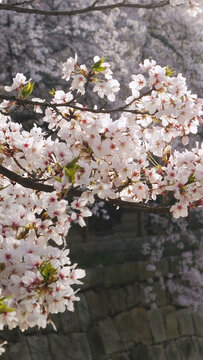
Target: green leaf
(3,307)
(2,267)
(23,234)
(52,92)
(71,169)
(47,271)
(98,66)
(169,71)
(72,163)
(70,173)
(27,89)
(191,179)
(58,179)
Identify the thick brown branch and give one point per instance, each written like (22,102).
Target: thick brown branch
(25,182)
(18,9)
(32,184)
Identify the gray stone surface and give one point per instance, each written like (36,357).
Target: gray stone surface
(94,278)
(157,352)
(120,357)
(120,274)
(35,343)
(117,300)
(132,295)
(126,328)
(185,323)
(110,337)
(198,346)
(143,273)
(69,322)
(19,350)
(172,352)
(157,325)
(142,332)
(161,298)
(104,339)
(140,352)
(171,323)
(72,347)
(83,312)
(186,348)
(198,323)
(98,304)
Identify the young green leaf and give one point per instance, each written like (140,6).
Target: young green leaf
(27,89)
(169,71)
(52,92)
(71,169)
(98,66)
(48,272)
(3,307)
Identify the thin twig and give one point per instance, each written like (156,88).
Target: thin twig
(21,167)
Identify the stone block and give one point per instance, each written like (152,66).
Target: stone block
(161,298)
(96,343)
(185,323)
(172,352)
(186,348)
(98,304)
(94,278)
(198,345)
(157,325)
(141,324)
(157,353)
(171,323)
(143,273)
(118,275)
(18,351)
(69,347)
(82,311)
(120,357)
(163,267)
(69,322)
(132,295)
(140,352)
(117,300)
(104,339)
(126,328)
(198,323)
(39,347)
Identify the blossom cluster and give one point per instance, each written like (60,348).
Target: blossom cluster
(131,158)
(193,8)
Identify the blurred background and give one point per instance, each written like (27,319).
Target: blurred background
(142,296)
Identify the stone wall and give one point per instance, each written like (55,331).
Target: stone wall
(112,322)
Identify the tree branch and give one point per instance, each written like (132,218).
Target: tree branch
(32,184)
(25,182)
(81,108)
(164,41)
(92,8)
